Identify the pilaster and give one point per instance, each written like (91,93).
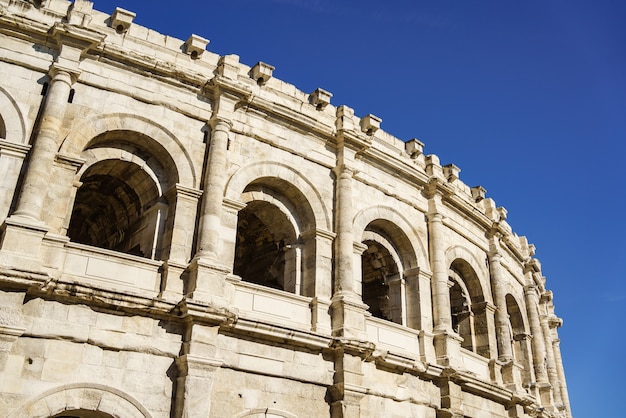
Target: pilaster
(538,346)
(447,342)
(347,309)
(503,327)
(207,271)
(196,367)
(348,388)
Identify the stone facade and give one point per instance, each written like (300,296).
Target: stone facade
(186,236)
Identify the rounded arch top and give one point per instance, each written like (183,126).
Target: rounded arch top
(12,125)
(395,224)
(157,136)
(265,413)
(267,173)
(463,259)
(83,396)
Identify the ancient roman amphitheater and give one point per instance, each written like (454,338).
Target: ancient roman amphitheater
(187,236)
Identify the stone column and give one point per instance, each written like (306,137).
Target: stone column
(214,180)
(31,199)
(344,283)
(550,362)
(503,333)
(439,267)
(348,390)
(21,244)
(207,272)
(539,355)
(447,342)
(347,308)
(561,373)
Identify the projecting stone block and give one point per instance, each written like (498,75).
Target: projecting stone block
(121,20)
(195,46)
(261,72)
(370,124)
(320,98)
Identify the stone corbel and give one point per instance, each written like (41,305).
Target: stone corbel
(121,20)
(261,72)
(320,98)
(195,46)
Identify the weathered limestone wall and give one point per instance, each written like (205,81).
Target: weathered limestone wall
(137,170)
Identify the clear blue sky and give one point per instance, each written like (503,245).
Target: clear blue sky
(528,98)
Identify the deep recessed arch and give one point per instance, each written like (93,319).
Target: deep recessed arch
(392,248)
(121,202)
(270,248)
(519,335)
(468,305)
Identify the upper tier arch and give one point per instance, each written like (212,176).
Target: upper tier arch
(396,223)
(238,182)
(82,136)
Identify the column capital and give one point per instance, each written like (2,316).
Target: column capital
(531,290)
(59,72)
(494,256)
(219,123)
(434,217)
(344,171)
(359,248)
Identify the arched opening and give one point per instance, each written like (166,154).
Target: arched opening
(379,270)
(265,247)
(461,312)
(3,129)
(384,262)
(119,207)
(120,202)
(82,413)
(275,242)
(468,308)
(519,336)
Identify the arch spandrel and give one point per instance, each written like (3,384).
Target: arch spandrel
(82,136)
(237,183)
(82,396)
(13,120)
(398,223)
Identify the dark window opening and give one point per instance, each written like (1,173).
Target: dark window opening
(118,207)
(380,283)
(265,247)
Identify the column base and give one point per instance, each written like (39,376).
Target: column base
(512,377)
(21,243)
(206,283)
(348,316)
(448,349)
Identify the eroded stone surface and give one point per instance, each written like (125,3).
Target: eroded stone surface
(192,237)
